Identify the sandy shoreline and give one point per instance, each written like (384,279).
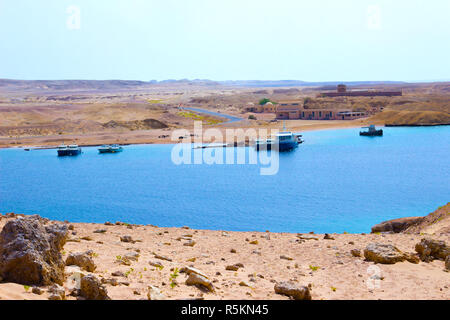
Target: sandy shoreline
(152,137)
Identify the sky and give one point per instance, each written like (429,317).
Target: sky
(314,40)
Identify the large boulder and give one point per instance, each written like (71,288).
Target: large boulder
(396,225)
(92,289)
(30,253)
(429,249)
(291,290)
(387,254)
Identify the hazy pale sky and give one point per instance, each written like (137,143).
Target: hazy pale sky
(314,40)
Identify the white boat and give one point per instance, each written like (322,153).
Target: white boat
(282,141)
(114,148)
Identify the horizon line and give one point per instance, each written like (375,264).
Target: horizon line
(231,80)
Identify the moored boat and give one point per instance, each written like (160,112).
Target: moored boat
(70,150)
(283,141)
(372,131)
(113,148)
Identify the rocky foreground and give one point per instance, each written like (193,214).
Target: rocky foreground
(42,259)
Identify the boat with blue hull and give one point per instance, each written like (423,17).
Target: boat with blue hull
(372,132)
(70,150)
(114,148)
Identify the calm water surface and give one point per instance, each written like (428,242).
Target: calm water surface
(337,181)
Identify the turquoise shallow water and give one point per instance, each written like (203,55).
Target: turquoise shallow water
(337,181)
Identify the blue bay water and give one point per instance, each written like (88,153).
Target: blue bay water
(336,181)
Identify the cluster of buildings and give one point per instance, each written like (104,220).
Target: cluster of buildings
(286,111)
(297,111)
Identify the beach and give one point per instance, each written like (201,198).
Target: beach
(164,136)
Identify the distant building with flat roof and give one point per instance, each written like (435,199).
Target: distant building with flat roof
(343,92)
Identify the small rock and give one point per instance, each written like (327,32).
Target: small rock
(74,274)
(244,284)
(132,256)
(233,250)
(92,289)
(37,290)
(190,243)
(286,258)
(124,261)
(447,263)
(58,292)
(82,260)
(126,239)
(54,296)
(189,270)
(254,242)
(156,264)
(118,274)
(160,257)
(306,237)
(110,281)
(195,279)
(234,267)
(355,252)
(100,231)
(155,294)
(328,237)
(291,290)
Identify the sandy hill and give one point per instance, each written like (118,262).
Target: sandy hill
(435,223)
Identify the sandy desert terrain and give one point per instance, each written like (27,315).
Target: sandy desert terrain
(247,265)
